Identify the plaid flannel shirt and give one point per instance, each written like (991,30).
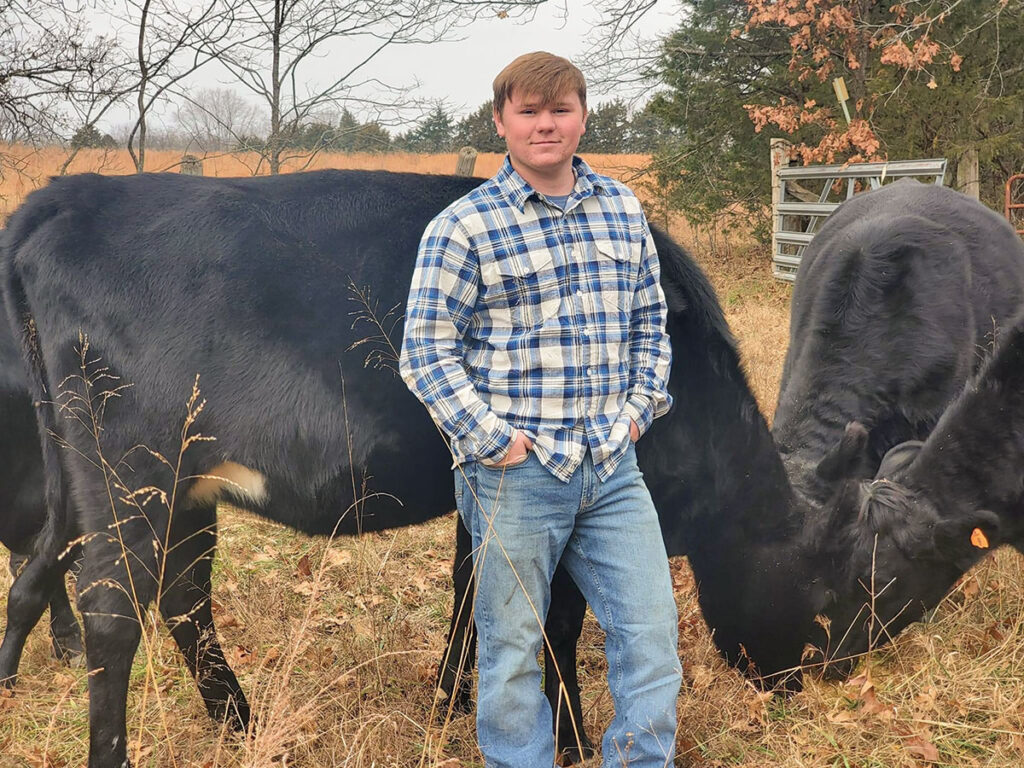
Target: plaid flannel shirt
(525,317)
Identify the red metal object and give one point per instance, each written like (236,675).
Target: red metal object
(1010,205)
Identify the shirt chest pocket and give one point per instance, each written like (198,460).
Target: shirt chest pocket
(521,290)
(615,265)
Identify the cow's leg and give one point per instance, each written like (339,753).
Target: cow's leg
(65,634)
(33,585)
(186,607)
(455,674)
(117,583)
(563,626)
(111,604)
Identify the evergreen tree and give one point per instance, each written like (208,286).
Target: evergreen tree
(721,74)
(354,136)
(607,129)
(435,133)
(89,137)
(649,134)
(477,130)
(719,161)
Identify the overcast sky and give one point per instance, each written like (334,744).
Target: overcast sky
(457,72)
(461,72)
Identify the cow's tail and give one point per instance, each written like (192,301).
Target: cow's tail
(53,541)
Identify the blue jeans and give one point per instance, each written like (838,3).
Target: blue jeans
(523,520)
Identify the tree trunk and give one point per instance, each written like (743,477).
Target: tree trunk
(275,138)
(139,158)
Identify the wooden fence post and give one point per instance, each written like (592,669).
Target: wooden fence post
(779,159)
(191,165)
(968,178)
(466,162)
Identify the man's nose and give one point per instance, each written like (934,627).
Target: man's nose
(545,120)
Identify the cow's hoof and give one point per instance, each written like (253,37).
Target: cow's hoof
(573,755)
(68,650)
(460,704)
(235,715)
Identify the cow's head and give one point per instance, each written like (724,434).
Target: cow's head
(892,546)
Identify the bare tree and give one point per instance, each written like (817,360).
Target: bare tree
(620,57)
(48,59)
(279,38)
(173,39)
(217,119)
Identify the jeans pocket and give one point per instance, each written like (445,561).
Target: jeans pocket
(503,467)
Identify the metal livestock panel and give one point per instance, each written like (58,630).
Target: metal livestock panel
(806,195)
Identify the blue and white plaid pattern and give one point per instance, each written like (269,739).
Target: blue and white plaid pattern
(522,316)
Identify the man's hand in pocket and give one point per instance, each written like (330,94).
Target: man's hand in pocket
(521,447)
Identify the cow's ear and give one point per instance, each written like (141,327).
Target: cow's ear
(848,459)
(898,458)
(967,535)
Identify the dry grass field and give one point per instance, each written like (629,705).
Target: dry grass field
(336,644)
(23,169)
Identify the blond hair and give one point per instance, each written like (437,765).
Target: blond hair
(539,74)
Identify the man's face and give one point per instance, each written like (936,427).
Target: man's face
(541,137)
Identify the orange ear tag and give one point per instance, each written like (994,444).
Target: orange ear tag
(979,539)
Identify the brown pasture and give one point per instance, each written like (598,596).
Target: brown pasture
(336,642)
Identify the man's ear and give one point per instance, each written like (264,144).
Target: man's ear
(967,535)
(849,458)
(498,126)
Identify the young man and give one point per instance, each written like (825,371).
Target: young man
(535,336)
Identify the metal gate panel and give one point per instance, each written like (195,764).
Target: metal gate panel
(796,220)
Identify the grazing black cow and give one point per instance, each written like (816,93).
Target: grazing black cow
(22,517)
(927,511)
(898,300)
(255,284)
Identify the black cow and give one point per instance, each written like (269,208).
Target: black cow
(22,517)
(255,284)
(898,300)
(926,512)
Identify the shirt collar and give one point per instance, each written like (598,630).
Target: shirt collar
(518,191)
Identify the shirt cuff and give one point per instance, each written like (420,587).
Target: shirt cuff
(494,445)
(640,409)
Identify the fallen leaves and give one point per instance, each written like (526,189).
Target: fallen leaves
(238,656)
(867,699)
(922,749)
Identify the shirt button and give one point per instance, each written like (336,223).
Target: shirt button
(590,371)
(579,292)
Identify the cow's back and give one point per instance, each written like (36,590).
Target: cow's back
(897,301)
(282,294)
